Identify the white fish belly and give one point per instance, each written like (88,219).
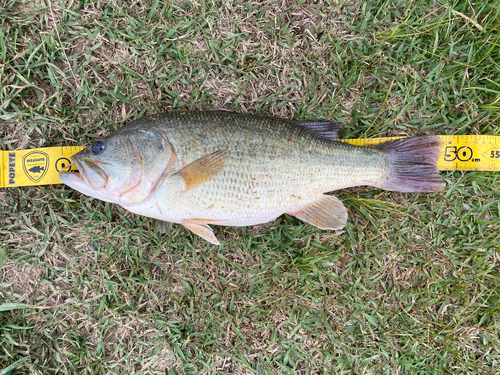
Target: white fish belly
(256,190)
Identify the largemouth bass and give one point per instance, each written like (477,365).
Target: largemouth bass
(213,167)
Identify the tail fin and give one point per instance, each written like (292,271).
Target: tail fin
(412,164)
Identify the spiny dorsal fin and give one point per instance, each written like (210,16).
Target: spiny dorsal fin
(202,230)
(325,213)
(323,129)
(203,169)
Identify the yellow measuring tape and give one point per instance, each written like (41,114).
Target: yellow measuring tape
(41,166)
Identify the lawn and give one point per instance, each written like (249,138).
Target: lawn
(410,286)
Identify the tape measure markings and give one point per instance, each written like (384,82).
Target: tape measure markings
(42,166)
(35,167)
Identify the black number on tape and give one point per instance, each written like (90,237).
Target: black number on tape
(463,153)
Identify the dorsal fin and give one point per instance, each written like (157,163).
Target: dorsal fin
(323,129)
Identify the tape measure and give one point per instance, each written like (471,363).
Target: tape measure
(41,166)
(458,152)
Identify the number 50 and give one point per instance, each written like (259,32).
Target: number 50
(463,153)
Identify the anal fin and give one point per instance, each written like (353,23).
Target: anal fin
(325,213)
(202,230)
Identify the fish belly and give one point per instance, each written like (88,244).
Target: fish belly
(273,167)
(258,188)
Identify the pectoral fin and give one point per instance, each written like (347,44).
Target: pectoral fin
(202,230)
(325,213)
(203,169)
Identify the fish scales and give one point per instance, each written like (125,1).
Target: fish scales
(272,165)
(213,167)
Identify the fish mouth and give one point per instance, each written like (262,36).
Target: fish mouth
(89,175)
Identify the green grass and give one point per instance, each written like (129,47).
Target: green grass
(410,286)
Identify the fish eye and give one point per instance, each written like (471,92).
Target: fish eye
(98,147)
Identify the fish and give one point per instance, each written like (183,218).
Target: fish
(37,169)
(202,168)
